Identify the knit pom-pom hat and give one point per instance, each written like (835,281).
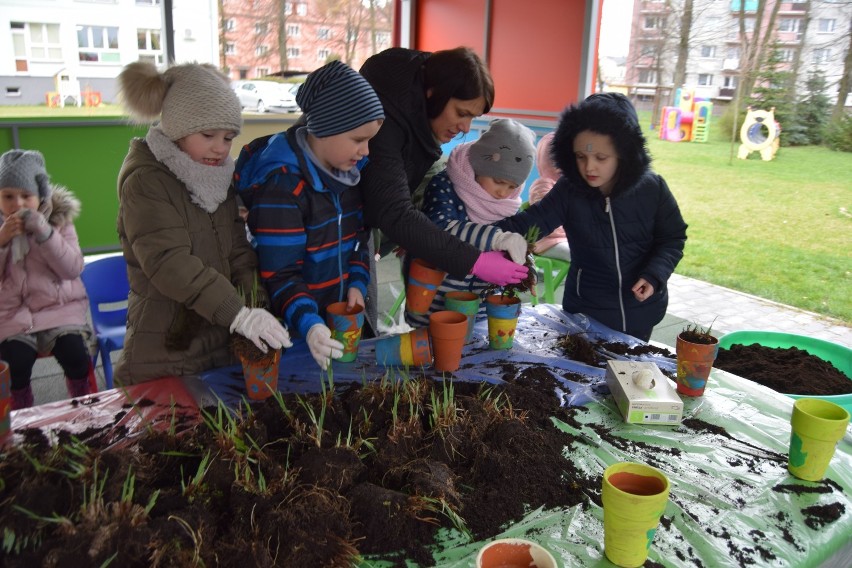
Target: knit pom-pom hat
(335,99)
(506,151)
(610,114)
(24,169)
(188,98)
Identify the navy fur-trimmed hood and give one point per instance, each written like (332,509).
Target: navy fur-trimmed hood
(609,114)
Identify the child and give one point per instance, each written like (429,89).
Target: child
(622,221)
(189,263)
(305,210)
(43,304)
(554,245)
(481,184)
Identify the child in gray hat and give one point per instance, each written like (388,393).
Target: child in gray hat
(481,184)
(305,210)
(185,243)
(43,303)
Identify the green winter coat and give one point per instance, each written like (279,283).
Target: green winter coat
(184,266)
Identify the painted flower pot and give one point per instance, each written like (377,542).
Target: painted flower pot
(466,303)
(694,362)
(410,349)
(261,376)
(345,325)
(503,312)
(447,330)
(423,282)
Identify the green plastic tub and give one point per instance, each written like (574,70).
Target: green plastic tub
(837,355)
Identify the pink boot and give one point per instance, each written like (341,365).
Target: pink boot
(22,398)
(79,387)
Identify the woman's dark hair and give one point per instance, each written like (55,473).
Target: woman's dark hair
(456,73)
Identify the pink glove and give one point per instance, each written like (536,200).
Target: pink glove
(495,268)
(37,225)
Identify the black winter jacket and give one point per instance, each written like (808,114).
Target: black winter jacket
(400,155)
(636,232)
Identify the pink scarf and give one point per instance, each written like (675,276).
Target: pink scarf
(481,207)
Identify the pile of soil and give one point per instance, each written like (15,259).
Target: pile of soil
(786,370)
(310,480)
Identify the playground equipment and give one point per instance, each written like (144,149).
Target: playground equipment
(689,121)
(68,89)
(759,133)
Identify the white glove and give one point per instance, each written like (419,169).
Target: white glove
(322,346)
(513,243)
(262,328)
(35,223)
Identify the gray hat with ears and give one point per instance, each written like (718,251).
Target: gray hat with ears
(24,169)
(506,151)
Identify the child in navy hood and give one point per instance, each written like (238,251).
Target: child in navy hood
(622,222)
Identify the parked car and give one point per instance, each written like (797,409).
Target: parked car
(264,96)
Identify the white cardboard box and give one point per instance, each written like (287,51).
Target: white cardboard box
(643,394)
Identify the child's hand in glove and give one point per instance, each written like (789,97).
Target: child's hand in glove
(322,346)
(37,225)
(513,243)
(262,328)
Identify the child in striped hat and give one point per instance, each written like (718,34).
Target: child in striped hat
(304,207)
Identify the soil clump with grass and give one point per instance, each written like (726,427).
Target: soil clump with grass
(296,480)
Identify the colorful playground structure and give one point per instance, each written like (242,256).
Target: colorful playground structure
(689,121)
(759,133)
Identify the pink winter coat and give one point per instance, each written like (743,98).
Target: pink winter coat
(548,174)
(44,290)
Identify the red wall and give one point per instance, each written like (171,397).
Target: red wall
(535,47)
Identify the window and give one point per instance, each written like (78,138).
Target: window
(230,49)
(351,34)
(383,39)
(647,76)
(708,51)
(732,53)
(230,25)
(821,55)
(302,8)
(654,23)
(150,48)
(749,25)
(647,51)
(322,54)
(786,55)
(35,42)
(98,44)
(323,33)
(730,81)
(789,24)
(705,79)
(147,2)
(288,8)
(294,30)
(825,26)
(262,72)
(261,50)
(260,28)
(294,52)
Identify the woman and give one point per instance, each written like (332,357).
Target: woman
(429,98)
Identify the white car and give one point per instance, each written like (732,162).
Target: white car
(263,96)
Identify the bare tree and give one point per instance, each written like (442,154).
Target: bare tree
(281,33)
(845,80)
(683,44)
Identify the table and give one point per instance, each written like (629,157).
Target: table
(727,508)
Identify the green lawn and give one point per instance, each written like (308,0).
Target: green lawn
(780,230)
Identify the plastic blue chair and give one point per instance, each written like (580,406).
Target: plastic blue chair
(106,284)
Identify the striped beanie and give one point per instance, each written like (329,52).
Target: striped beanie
(335,99)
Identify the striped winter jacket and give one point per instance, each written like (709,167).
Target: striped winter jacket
(446,209)
(310,235)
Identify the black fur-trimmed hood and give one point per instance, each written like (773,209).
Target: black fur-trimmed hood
(610,114)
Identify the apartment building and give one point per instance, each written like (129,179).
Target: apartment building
(72,48)
(264,37)
(813,33)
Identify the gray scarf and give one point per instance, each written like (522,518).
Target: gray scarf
(207,185)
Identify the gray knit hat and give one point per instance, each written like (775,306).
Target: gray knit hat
(335,99)
(505,151)
(199,98)
(24,169)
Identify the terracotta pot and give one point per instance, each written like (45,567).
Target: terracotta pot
(405,350)
(466,303)
(261,377)
(423,282)
(694,362)
(447,330)
(514,553)
(503,312)
(345,326)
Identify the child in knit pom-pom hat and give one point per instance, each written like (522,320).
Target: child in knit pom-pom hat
(305,210)
(43,303)
(481,184)
(623,224)
(189,263)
